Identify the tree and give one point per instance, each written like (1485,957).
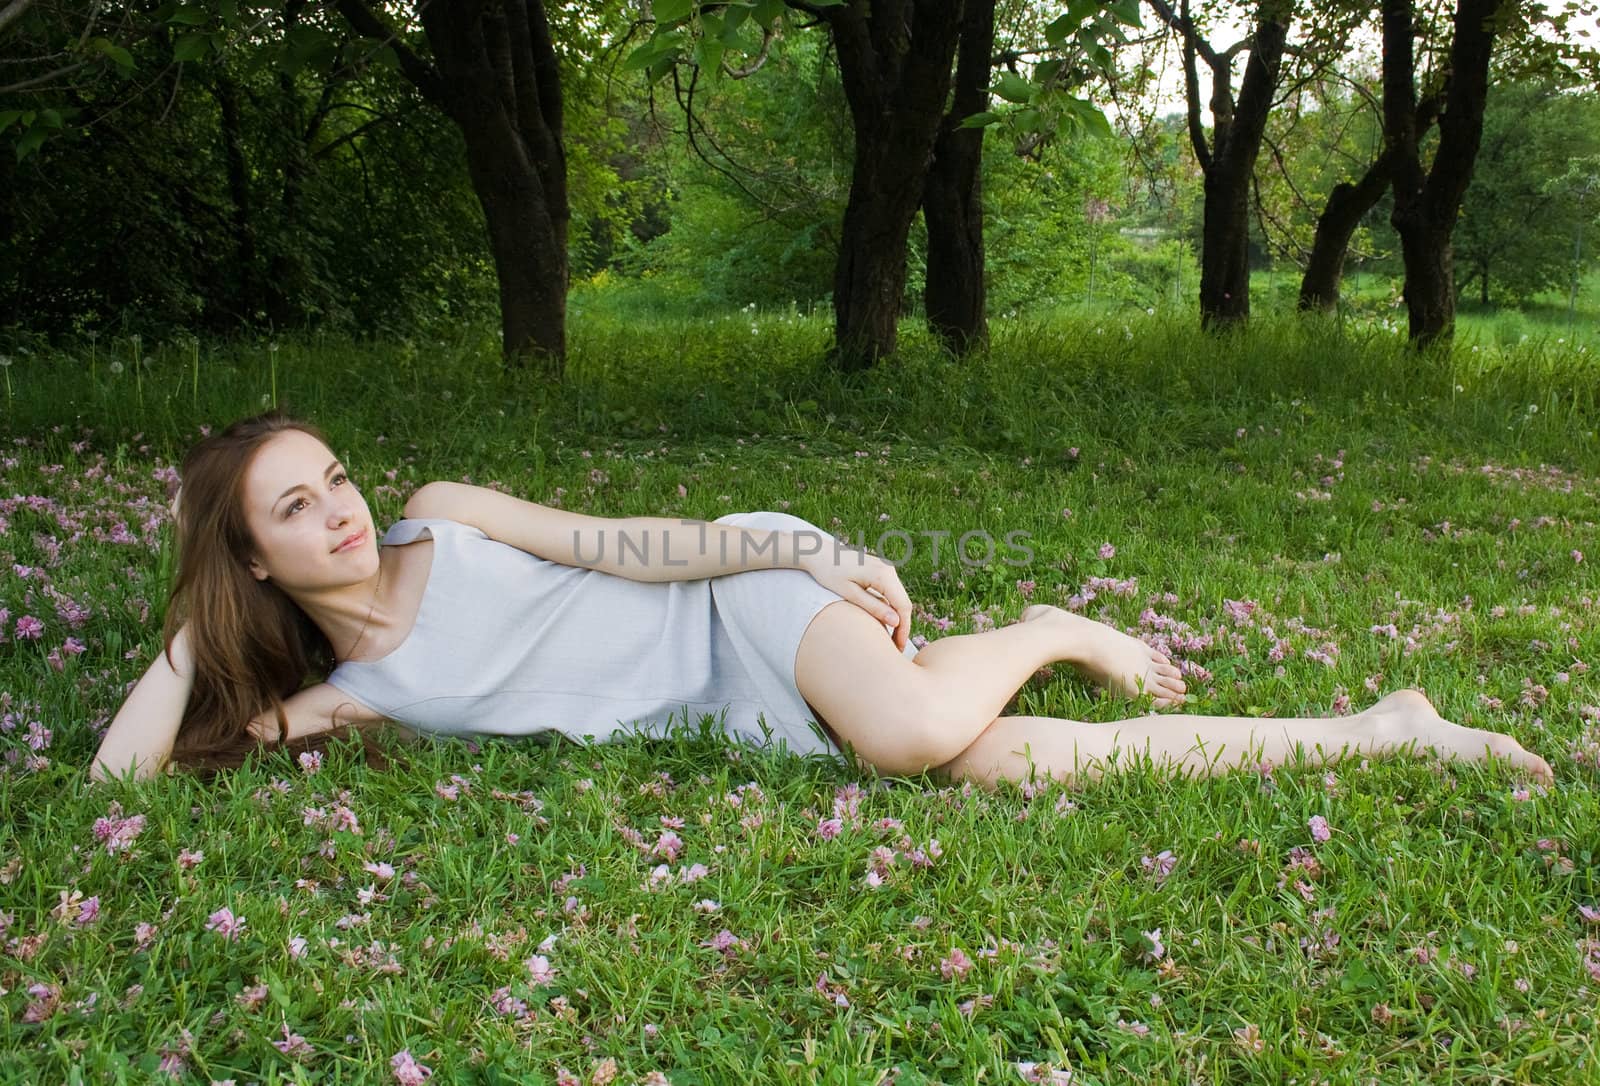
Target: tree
(1426,203)
(1228,160)
(494,73)
(952,196)
(894,61)
(1348,203)
(1058,54)
(912,146)
(272,169)
(1346,125)
(1520,214)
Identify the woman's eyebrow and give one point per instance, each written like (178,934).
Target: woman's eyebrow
(301,486)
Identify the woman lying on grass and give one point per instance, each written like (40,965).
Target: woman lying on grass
(484,614)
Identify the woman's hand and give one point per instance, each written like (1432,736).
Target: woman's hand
(856,575)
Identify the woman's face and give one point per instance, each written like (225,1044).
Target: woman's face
(301,508)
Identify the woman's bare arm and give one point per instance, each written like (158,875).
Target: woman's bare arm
(143,731)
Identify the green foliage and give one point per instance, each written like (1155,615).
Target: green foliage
(1330,136)
(1036,233)
(701,34)
(1036,103)
(756,218)
(300,210)
(330,196)
(1535,188)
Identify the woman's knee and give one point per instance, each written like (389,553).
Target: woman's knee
(888,729)
(876,699)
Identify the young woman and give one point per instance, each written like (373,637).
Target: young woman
(484,614)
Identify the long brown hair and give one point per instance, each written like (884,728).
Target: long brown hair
(252,645)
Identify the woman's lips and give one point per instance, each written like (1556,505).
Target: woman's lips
(360,538)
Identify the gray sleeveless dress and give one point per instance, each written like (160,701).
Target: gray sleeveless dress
(508,643)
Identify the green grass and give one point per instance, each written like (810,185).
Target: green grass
(1438,939)
(1550,321)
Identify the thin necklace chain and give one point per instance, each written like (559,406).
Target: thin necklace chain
(370,609)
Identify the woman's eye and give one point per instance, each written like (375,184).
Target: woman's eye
(295,505)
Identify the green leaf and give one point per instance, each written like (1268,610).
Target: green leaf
(734,18)
(650,52)
(980,120)
(767,12)
(311,47)
(193,46)
(116,53)
(1059,30)
(1126,11)
(1357,977)
(306,39)
(1085,115)
(670,11)
(660,68)
(1013,88)
(190,16)
(1098,54)
(30,141)
(708,54)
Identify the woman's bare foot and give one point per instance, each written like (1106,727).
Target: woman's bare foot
(1111,659)
(1407,715)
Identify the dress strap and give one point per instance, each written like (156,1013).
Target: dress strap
(405,530)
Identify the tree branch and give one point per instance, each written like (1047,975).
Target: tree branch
(767,35)
(422,74)
(12,12)
(1191,93)
(1185,26)
(355,133)
(46,78)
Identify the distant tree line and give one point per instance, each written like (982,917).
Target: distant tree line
(220,165)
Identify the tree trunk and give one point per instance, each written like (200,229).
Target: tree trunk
(1430,288)
(495,75)
(894,62)
(1426,206)
(1347,203)
(529,244)
(1225,248)
(1229,161)
(1483,288)
(952,198)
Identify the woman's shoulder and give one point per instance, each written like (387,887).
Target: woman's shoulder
(408,529)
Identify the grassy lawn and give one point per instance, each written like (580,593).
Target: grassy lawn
(1552,319)
(1306,517)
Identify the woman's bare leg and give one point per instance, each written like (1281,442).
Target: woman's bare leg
(897,710)
(905,715)
(1403,722)
(982,667)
